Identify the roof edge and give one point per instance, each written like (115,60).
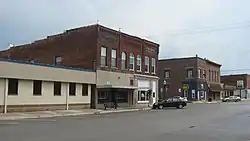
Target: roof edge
(44,65)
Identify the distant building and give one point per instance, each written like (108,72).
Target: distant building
(228,90)
(194,77)
(240,81)
(125,65)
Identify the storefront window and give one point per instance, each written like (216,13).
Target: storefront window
(143,95)
(122,97)
(102,97)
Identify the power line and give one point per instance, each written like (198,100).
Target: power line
(212,29)
(235,70)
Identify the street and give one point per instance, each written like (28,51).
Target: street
(197,122)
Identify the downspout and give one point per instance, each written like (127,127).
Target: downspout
(5,95)
(196,78)
(67,96)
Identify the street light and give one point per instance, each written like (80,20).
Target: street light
(165,89)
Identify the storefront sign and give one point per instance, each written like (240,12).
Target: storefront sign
(185,87)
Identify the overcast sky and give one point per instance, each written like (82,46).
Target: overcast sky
(216,29)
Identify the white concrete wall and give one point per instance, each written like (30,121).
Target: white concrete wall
(25,94)
(79,98)
(36,72)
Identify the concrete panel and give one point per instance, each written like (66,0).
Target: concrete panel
(25,94)
(79,98)
(113,78)
(36,72)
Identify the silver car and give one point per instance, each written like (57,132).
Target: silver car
(231,99)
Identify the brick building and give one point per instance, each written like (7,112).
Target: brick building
(125,65)
(194,77)
(243,80)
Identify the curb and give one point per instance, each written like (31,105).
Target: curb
(70,114)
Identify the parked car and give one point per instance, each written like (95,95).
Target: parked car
(182,98)
(231,99)
(170,102)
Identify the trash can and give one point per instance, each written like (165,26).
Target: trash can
(209,99)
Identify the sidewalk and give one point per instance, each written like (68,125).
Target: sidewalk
(206,102)
(46,114)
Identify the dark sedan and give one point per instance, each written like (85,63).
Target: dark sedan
(170,102)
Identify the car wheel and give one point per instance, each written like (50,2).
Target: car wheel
(160,106)
(180,106)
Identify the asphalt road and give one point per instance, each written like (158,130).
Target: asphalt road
(198,122)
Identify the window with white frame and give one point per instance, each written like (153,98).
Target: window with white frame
(124,61)
(131,62)
(204,74)
(103,56)
(153,65)
(143,95)
(114,58)
(199,73)
(58,60)
(146,64)
(167,73)
(138,62)
(189,73)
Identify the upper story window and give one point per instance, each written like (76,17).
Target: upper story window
(124,61)
(131,62)
(58,60)
(146,64)
(114,58)
(199,73)
(215,76)
(218,76)
(212,78)
(103,56)
(167,73)
(153,65)
(189,73)
(209,75)
(138,62)
(204,75)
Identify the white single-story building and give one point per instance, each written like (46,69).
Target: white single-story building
(30,86)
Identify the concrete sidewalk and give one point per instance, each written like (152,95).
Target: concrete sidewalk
(202,102)
(58,113)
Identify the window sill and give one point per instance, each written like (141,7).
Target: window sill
(143,102)
(12,94)
(57,95)
(104,66)
(37,94)
(147,72)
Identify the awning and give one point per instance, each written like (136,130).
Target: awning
(215,87)
(116,87)
(229,87)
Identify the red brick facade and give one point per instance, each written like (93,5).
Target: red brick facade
(232,79)
(80,47)
(203,72)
